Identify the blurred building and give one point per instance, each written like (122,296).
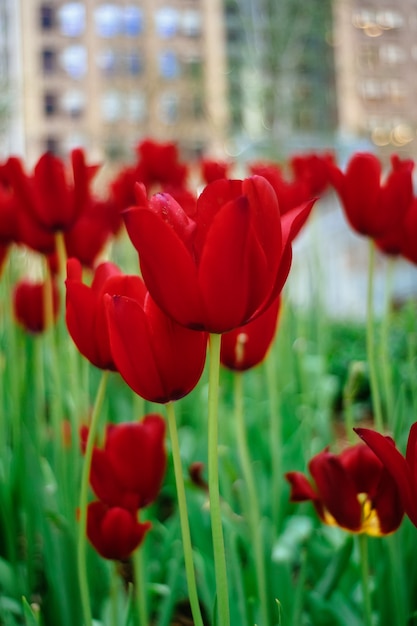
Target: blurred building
(105,74)
(375,43)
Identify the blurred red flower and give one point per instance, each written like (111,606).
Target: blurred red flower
(30,301)
(246,346)
(158,164)
(373,209)
(352,490)
(403,470)
(113,531)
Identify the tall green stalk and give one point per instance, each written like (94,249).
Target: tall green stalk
(384,346)
(370,341)
(82,526)
(182,508)
(275,430)
(253,512)
(220,569)
(140,587)
(364,565)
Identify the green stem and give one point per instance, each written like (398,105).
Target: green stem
(275,436)
(82,528)
(182,507)
(140,587)
(252,508)
(364,564)
(213,484)
(384,353)
(370,341)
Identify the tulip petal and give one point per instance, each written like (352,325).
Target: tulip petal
(167,266)
(337,490)
(396,464)
(301,489)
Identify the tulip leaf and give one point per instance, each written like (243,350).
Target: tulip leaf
(31,614)
(334,571)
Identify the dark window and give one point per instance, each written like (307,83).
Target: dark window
(52,145)
(50,104)
(48,61)
(47,16)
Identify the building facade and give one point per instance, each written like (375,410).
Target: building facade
(375,43)
(103,75)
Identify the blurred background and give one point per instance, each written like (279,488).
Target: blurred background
(241,77)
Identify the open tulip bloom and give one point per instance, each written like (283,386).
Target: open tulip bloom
(219,268)
(352,490)
(403,470)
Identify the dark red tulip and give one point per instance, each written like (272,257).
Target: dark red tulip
(159,165)
(49,196)
(313,170)
(129,470)
(30,301)
(290,194)
(352,490)
(159,359)
(113,531)
(218,269)
(86,239)
(246,346)
(403,470)
(373,209)
(85,310)
(213,170)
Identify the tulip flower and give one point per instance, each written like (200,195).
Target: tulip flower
(403,470)
(29,304)
(290,194)
(246,346)
(159,164)
(113,531)
(313,169)
(213,170)
(352,490)
(159,359)
(129,470)
(371,208)
(219,268)
(48,196)
(85,310)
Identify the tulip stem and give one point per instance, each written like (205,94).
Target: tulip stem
(275,435)
(384,354)
(182,508)
(364,563)
(82,527)
(213,484)
(140,587)
(370,341)
(254,517)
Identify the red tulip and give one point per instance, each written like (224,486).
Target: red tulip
(218,269)
(87,237)
(373,209)
(290,194)
(402,469)
(52,200)
(352,490)
(246,346)
(159,359)
(85,310)
(213,170)
(129,470)
(313,170)
(29,304)
(113,531)
(159,164)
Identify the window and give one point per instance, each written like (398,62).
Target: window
(389,19)
(48,61)
(73,103)
(169,108)
(74,61)
(166,21)
(111,106)
(372,89)
(132,21)
(133,63)
(46,17)
(52,144)
(191,23)
(168,64)
(392,54)
(50,104)
(108,20)
(72,19)
(136,107)
(107,61)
